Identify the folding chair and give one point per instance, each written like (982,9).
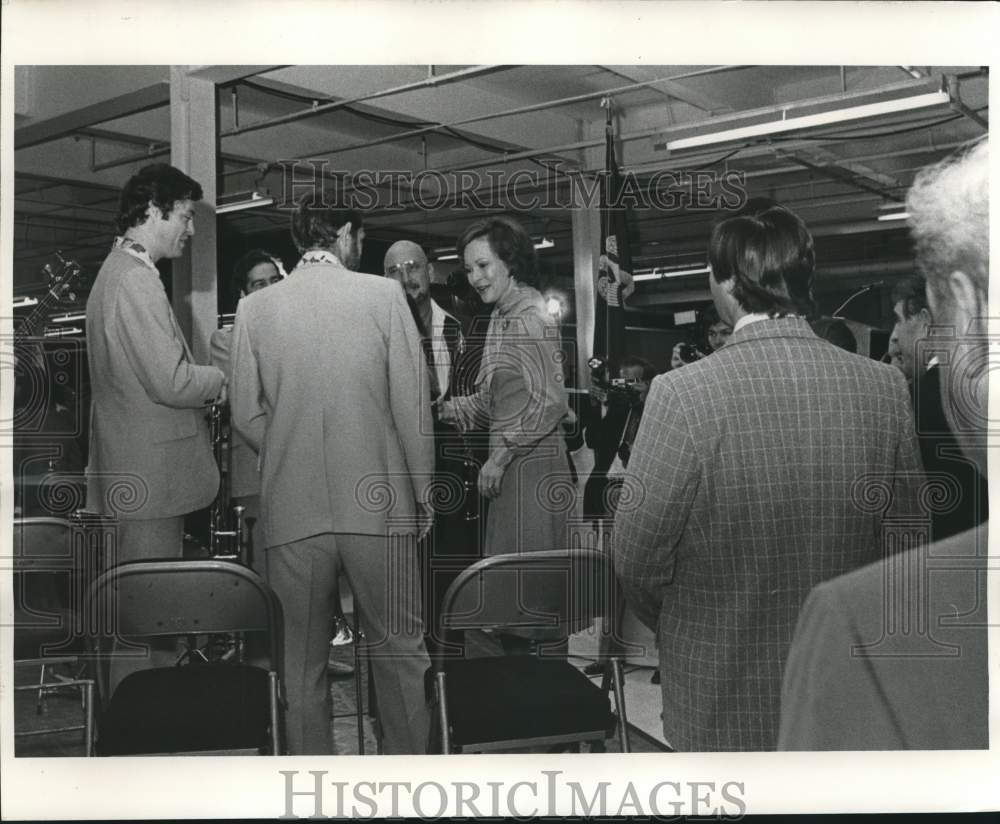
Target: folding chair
(516,701)
(47,576)
(218,707)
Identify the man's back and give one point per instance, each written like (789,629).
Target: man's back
(756,474)
(336,378)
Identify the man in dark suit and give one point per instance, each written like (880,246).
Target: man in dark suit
(453,539)
(963,498)
(749,484)
(894,656)
(330,387)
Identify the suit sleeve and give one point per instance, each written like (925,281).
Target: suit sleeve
(154,350)
(658,493)
(831,699)
(909,475)
(248,411)
(409,396)
(219,345)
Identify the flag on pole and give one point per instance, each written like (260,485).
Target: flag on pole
(614,278)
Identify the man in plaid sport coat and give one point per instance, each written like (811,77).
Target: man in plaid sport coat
(756,474)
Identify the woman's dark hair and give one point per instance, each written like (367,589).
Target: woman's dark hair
(509,242)
(160,184)
(770,255)
(242,268)
(315,225)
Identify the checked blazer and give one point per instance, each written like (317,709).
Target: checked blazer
(756,474)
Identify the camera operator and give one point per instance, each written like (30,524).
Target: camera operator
(617,406)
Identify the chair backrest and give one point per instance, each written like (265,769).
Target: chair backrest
(159,598)
(43,564)
(550,588)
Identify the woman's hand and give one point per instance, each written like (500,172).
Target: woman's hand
(491,478)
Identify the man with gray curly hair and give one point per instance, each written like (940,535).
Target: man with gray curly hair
(853,679)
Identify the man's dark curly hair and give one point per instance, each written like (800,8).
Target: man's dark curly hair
(160,184)
(509,242)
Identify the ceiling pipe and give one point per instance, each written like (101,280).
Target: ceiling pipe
(535,107)
(325,108)
(711,123)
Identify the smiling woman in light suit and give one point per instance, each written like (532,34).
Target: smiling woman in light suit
(519,394)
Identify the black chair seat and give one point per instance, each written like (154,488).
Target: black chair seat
(522,696)
(190,708)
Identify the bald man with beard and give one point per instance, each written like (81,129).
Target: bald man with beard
(453,535)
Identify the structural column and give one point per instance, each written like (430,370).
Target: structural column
(586,252)
(194,150)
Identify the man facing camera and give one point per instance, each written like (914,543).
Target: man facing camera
(894,656)
(746,487)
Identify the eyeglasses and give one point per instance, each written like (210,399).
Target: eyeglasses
(406,267)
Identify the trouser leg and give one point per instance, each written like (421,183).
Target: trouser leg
(386,585)
(303,574)
(138,540)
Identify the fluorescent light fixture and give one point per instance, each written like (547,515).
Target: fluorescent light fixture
(895,216)
(660,274)
(255,201)
(69,318)
(449,253)
(23,303)
(902,104)
(63,332)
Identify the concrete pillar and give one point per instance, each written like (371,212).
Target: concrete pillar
(194,150)
(586,219)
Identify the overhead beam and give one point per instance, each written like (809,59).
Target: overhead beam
(223,75)
(673,89)
(141,100)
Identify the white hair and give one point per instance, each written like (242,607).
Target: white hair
(949,207)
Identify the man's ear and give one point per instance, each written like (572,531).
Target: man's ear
(968,304)
(430,271)
(344,230)
(153,212)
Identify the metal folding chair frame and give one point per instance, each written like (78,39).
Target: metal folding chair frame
(474,601)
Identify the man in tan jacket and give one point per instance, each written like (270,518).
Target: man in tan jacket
(330,386)
(150,460)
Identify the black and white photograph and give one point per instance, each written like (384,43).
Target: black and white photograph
(611,420)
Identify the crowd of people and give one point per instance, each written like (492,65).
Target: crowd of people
(761,468)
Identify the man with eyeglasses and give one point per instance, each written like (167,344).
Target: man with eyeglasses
(406,263)
(441,333)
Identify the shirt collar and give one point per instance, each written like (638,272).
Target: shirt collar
(752,317)
(137,250)
(311,257)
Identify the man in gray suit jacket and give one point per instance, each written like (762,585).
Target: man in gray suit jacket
(150,459)
(756,474)
(330,386)
(894,656)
